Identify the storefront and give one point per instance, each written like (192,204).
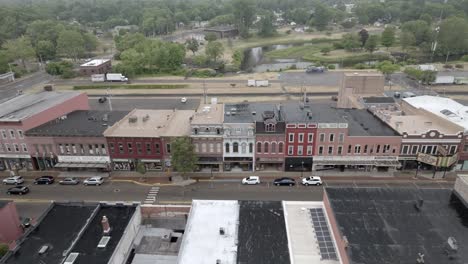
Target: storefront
(15,162)
(78,163)
(44,162)
(123,164)
(208,164)
(152,164)
(298,163)
(364,163)
(265,164)
(238,164)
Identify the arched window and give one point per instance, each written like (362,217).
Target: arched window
(266,147)
(270,128)
(235,147)
(259,147)
(227,147)
(244,147)
(273,147)
(280,147)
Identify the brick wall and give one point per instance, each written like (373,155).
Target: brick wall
(152,211)
(340,243)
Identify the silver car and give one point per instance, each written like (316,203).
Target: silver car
(93,181)
(69,181)
(13,180)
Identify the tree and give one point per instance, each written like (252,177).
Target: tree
(90,42)
(244,15)
(407,40)
(428,77)
(19,49)
(140,168)
(183,155)
(388,37)
(214,50)
(350,42)
(372,43)
(192,45)
(388,68)
(237,58)
(453,36)
(325,50)
(267,28)
(3,249)
(210,36)
(71,44)
(322,16)
(420,30)
(364,36)
(45,50)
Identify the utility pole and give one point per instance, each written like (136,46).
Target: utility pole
(109,99)
(204,92)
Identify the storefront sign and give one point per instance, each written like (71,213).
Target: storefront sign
(428,159)
(84,159)
(150,160)
(15,156)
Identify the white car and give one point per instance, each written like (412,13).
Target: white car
(13,180)
(251,180)
(93,181)
(312,180)
(183,100)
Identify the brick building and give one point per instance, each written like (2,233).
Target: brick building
(10,229)
(99,66)
(25,112)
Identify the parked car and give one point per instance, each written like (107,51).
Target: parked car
(102,100)
(93,181)
(315,69)
(312,180)
(251,180)
(183,100)
(69,181)
(44,180)
(13,180)
(284,181)
(18,190)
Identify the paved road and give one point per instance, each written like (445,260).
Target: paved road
(315,79)
(11,89)
(130,103)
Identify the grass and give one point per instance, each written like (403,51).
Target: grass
(297,52)
(129,86)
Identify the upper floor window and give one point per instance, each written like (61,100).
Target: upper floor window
(310,137)
(291,137)
(357,149)
(266,147)
(157,149)
(168,148)
(330,150)
(8,148)
(244,148)
(322,137)
(259,147)
(340,150)
(218,131)
(20,134)
(12,134)
(130,148)
(250,147)
(290,150)
(341,138)
(203,147)
(301,137)
(300,150)
(270,128)
(235,147)
(148,148)
(121,148)
(320,150)
(16,147)
(280,147)
(273,147)
(195,131)
(139,150)
(331,137)
(309,150)
(4,134)
(226,147)
(24,147)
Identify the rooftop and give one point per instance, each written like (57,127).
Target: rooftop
(208,114)
(378,100)
(27,105)
(446,108)
(418,124)
(94,63)
(384,225)
(202,242)
(262,233)
(152,123)
(79,123)
(363,123)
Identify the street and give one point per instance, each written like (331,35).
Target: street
(11,89)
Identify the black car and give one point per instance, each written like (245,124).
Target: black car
(284,181)
(44,180)
(102,100)
(18,190)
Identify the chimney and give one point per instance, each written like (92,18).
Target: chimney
(105,225)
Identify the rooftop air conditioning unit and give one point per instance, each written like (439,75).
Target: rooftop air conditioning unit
(103,242)
(133,119)
(222,232)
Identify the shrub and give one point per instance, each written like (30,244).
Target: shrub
(3,249)
(459,66)
(293,67)
(63,68)
(464,58)
(448,66)
(360,66)
(331,67)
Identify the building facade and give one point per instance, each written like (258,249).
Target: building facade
(95,67)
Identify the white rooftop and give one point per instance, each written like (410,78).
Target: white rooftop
(303,244)
(92,63)
(202,242)
(446,108)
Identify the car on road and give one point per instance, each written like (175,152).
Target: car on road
(183,100)
(69,181)
(18,190)
(285,181)
(93,181)
(315,69)
(312,180)
(102,100)
(44,180)
(251,180)
(13,180)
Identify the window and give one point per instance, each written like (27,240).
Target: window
(244,148)
(386,148)
(16,147)
(434,150)
(365,149)
(310,137)
(195,131)
(23,146)
(280,147)
(96,149)
(331,137)
(90,149)
(322,137)
(148,148)
(218,147)
(197,148)
(423,149)
(349,149)
(7,146)
(341,138)
(266,147)
(121,149)
(67,148)
(203,147)
(211,147)
(340,150)
(378,149)
(301,137)
(330,150)
(235,147)
(309,150)
(357,149)
(168,148)
(414,150)
(259,147)
(103,149)
(157,148)
(82,151)
(139,150)
(218,131)
(404,149)
(320,150)
(60,148)
(273,147)
(250,147)
(291,137)
(4,134)
(12,134)
(300,150)
(428,149)
(20,134)
(130,148)
(453,149)
(270,128)
(73,148)
(226,147)
(290,150)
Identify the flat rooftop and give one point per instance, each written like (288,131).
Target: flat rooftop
(446,108)
(27,105)
(304,236)
(418,124)
(94,63)
(152,123)
(86,123)
(383,225)
(208,114)
(262,233)
(202,242)
(363,123)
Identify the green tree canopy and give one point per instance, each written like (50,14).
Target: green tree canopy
(372,43)
(19,49)
(453,36)
(244,15)
(266,25)
(388,37)
(71,44)
(192,45)
(214,50)
(388,68)
(183,157)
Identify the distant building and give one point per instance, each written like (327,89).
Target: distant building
(359,84)
(7,77)
(223,31)
(427,67)
(99,66)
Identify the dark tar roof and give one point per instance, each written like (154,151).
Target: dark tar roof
(383,226)
(119,217)
(363,123)
(262,233)
(378,100)
(79,123)
(57,230)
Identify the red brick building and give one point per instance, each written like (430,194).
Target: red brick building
(10,229)
(95,67)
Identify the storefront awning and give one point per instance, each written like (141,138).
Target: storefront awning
(378,163)
(80,165)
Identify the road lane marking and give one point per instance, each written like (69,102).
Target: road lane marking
(151,195)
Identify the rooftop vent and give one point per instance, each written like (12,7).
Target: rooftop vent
(71,258)
(146,118)
(218,261)
(43,250)
(420,259)
(222,231)
(254,113)
(103,242)
(133,119)
(452,244)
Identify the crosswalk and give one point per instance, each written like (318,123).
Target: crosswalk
(151,196)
